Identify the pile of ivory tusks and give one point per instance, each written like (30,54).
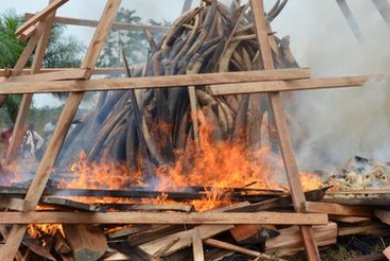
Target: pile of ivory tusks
(210,38)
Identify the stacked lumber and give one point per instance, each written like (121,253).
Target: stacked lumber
(177,232)
(163,233)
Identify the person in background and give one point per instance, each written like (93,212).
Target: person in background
(49,127)
(5,137)
(31,143)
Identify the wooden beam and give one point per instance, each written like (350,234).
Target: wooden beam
(8,251)
(152,82)
(115,26)
(286,146)
(351,20)
(289,242)
(8,72)
(72,74)
(349,219)
(383,7)
(185,239)
(338,209)
(266,218)
(12,203)
(241,250)
(369,230)
(197,246)
(28,50)
(386,252)
(294,85)
(40,16)
(86,242)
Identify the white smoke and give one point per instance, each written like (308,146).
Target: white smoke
(340,123)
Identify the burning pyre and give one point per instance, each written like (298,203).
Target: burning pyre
(231,153)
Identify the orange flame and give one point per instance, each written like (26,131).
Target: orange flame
(216,167)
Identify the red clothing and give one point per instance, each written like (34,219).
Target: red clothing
(6,136)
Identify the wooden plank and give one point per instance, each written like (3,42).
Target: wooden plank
(369,230)
(28,50)
(338,209)
(262,33)
(61,246)
(8,251)
(28,33)
(4,233)
(294,85)
(238,249)
(64,203)
(290,242)
(197,246)
(350,20)
(126,231)
(383,215)
(386,252)
(153,232)
(153,82)
(72,74)
(266,218)
(12,203)
(115,26)
(160,240)
(102,70)
(86,242)
(145,207)
(349,219)
(40,16)
(383,7)
(185,239)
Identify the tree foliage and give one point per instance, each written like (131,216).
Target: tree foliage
(133,42)
(62,51)
(10,46)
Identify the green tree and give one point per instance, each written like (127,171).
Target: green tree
(10,50)
(62,51)
(133,42)
(10,46)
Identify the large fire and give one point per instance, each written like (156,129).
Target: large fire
(217,167)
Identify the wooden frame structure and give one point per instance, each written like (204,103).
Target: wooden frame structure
(77,81)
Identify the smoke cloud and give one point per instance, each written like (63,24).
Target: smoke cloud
(337,124)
